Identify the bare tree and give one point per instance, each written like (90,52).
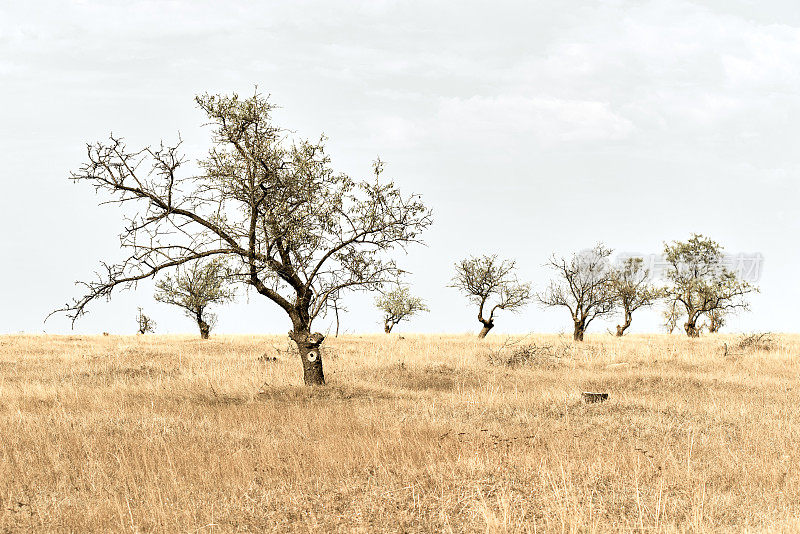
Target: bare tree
(144,323)
(398,305)
(194,288)
(672,314)
(486,279)
(583,286)
(698,282)
(334,304)
(288,225)
(632,289)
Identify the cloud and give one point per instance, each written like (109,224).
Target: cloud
(671,74)
(542,119)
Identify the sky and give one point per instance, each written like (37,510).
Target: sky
(530,128)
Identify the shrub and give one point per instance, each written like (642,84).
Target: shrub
(529,354)
(763,341)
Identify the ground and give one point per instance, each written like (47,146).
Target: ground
(412,434)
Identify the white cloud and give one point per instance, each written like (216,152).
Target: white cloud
(543,120)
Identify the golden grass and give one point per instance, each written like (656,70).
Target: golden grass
(414,434)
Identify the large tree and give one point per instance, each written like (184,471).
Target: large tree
(491,283)
(398,305)
(583,285)
(699,284)
(288,225)
(632,289)
(194,288)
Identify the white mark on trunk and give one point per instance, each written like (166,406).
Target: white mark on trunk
(312,356)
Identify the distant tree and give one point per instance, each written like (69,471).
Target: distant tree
(716,320)
(486,280)
(335,305)
(632,289)
(699,284)
(194,289)
(285,222)
(398,305)
(584,286)
(672,314)
(144,323)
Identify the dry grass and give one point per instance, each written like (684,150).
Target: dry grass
(421,434)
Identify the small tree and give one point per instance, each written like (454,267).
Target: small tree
(698,283)
(194,289)
(631,289)
(286,223)
(336,306)
(486,279)
(145,323)
(716,320)
(398,305)
(584,286)
(672,314)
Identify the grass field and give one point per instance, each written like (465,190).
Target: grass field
(413,433)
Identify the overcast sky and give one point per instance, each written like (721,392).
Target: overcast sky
(529,127)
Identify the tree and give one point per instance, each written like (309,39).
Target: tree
(288,225)
(698,283)
(631,289)
(484,279)
(335,305)
(144,323)
(398,305)
(583,286)
(716,320)
(672,314)
(194,288)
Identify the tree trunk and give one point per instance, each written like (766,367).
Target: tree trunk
(487,325)
(205,328)
(387,326)
(691,329)
(621,328)
(336,311)
(308,346)
(580,329)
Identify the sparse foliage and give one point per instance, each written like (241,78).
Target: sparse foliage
(144,323)
(583,285)
(398,305)
(288,225)
(632,289)
(491,283)
(194,288)
(699,284)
